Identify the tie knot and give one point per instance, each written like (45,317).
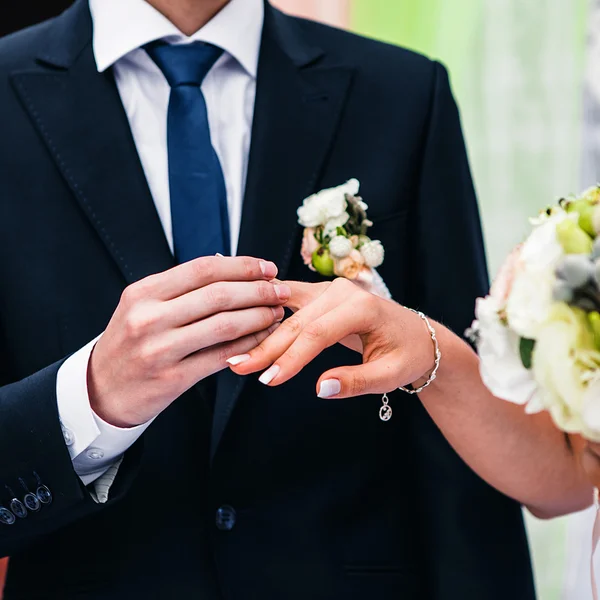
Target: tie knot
(184,64)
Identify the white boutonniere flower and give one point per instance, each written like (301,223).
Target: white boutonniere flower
(335,241)
(327,208)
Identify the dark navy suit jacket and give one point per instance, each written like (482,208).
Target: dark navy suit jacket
(326,501)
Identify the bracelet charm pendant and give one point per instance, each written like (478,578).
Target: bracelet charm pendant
(385,412)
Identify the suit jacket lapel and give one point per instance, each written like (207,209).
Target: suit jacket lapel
(75,107)
(298,105)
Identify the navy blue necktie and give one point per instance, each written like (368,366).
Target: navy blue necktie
(196,184)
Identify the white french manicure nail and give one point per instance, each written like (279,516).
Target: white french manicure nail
(329,388)
(269,374)
(219,254)
(238,360)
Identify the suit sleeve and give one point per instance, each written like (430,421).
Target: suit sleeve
(450,268)
(469,527)
(33,453)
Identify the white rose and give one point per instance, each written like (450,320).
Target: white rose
(327,205)
(333,203)
(501,368)
(565,364)
(530,299)
(340,246)
(310,213)
(373,253)
(557,368)
(529,302)
(351,187)
(333,223)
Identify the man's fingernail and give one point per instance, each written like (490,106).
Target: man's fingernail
(283,291)
(238,360)
(269,374)
(278,312)
(268,268)
(329,388)
(273,327)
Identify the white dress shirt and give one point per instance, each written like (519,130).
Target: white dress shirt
(120,29)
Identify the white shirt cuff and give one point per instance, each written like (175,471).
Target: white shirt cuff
(94,445)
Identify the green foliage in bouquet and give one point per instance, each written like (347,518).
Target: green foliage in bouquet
(526,347)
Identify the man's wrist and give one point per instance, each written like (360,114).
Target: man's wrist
(98,402)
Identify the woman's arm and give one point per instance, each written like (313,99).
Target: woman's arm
(524,456)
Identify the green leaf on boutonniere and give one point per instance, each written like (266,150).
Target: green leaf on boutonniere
(526,348)
(319,235)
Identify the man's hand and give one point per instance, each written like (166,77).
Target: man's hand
(176,328)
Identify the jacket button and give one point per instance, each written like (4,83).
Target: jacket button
(43,494)
(18,508)
(6,516)
(226,518)
(31,502)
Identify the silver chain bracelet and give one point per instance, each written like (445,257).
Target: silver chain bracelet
(385,412)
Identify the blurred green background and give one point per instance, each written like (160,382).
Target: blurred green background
(517,71)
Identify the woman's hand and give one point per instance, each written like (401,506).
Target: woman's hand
(395,343)
(523,456)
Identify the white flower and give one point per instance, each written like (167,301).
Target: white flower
(310,214)
(530,299)
(501,368)
(373,253)
(563,348)
(351,187)
(332,224)
(340,246)
(327,205)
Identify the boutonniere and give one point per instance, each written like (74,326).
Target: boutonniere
(335,241)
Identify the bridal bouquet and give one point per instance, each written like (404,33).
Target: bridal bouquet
(538,331)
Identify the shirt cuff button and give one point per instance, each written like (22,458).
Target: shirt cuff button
(68,436)
(95,453)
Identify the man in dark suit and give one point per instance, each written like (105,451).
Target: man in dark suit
(128,470)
